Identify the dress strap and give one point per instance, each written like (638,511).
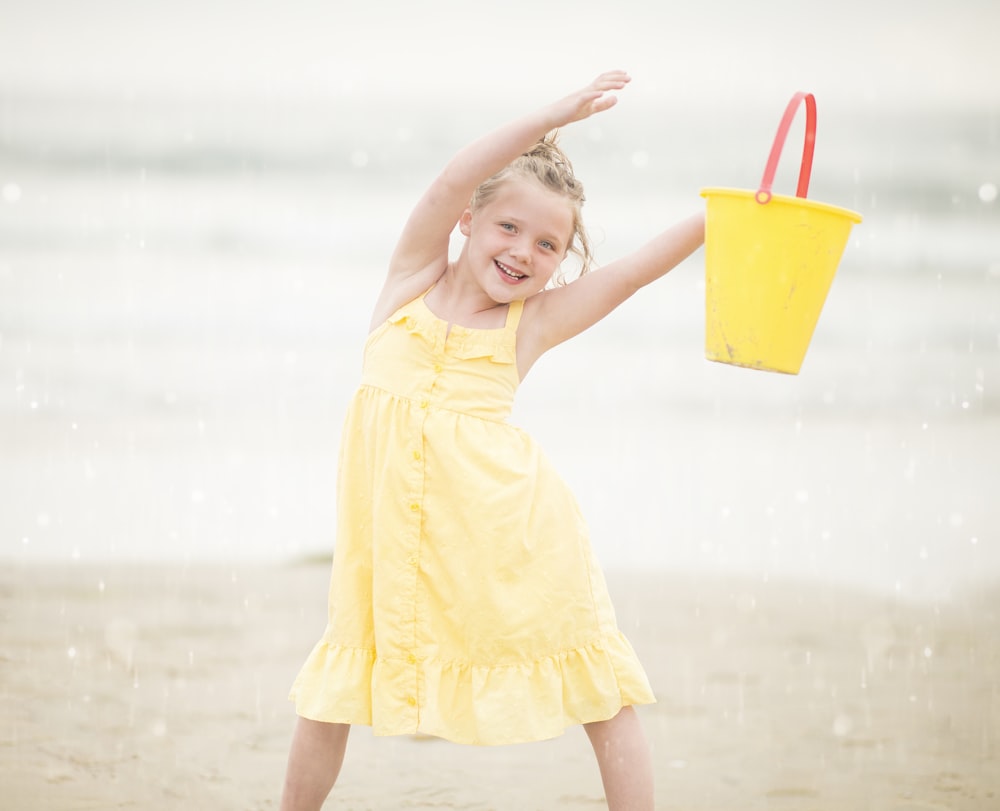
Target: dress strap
(514,310)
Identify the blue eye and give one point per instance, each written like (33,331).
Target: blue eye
(506,226)
(547,245)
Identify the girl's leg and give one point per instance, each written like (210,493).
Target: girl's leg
(625,761)
(314,761)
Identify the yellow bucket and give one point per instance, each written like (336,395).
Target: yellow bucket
(769,263)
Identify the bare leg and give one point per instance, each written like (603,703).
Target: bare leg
(625,761)
(314,761)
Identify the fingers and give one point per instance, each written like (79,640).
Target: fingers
(611,80)
(602,103)
(594,98)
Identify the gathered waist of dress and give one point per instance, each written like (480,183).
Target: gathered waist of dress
(420,401)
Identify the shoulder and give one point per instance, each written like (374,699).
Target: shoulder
(559,313)
(399,289)
(532,341)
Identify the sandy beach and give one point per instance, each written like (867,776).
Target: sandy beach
(164,687)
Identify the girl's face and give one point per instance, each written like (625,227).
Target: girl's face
(518,239)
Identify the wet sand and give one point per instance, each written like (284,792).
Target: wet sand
(164,687)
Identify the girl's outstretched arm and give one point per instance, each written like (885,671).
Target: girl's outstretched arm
(557,314)
(421,254)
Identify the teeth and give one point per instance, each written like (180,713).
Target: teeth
(510,272)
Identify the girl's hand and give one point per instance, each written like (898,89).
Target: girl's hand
(594,98)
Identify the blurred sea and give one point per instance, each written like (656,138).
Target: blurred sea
(186,279)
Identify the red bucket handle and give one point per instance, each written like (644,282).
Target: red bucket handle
(763,195)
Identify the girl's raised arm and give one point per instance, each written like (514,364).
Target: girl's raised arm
(557,314)
(421,255)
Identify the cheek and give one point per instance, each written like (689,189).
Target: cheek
(551,270)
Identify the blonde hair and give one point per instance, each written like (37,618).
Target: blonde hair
(548,164)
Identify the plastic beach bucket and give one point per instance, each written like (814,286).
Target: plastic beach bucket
(769,262)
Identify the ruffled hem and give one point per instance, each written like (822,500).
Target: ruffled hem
(467,703)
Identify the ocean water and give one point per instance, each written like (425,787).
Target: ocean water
(189,253)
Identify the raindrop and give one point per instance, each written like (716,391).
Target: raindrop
(801,496)
(973,540)
(12,192)
(928,652)
(988,192)
(640,159)
(842,725)
(71,653)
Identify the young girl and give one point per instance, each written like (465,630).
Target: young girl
(465,602)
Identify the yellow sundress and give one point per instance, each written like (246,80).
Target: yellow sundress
(465,601)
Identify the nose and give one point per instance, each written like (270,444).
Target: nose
(520,250)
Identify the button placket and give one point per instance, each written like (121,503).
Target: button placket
(415,510)
(409,651)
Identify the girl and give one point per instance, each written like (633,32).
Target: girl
(465,602)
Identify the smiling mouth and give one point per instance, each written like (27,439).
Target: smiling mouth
(510,273)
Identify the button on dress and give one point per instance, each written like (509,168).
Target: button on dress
(465,601)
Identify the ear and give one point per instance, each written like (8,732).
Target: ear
(465,222)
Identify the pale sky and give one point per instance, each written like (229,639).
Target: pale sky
(880,53)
